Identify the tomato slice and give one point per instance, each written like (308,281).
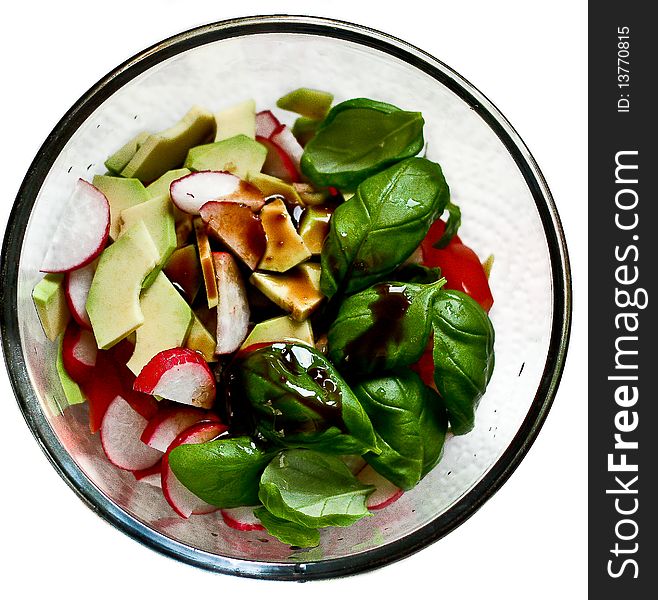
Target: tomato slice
(459,265)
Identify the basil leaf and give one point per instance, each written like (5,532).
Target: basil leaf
(452,225)
(298,399)
(463,355)
(384,327)
(313,489)
(224,472)
(376,230)
(287,531)
(410,423)
(415,273)
(357,139)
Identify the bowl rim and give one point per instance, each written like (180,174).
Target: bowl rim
(29,404)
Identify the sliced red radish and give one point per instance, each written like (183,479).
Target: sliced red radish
(385,492)
(284,138)
(76,290)
(354,462)
(82,231)
(179,497)
(151,475)
(178,374)
(266,123)
(121,429)
(79,353)
(191,192)
(237,227)
(169,423)
(233,306)
(242,519)
(278,163)
(101,388)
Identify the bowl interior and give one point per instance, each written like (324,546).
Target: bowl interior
(500,217)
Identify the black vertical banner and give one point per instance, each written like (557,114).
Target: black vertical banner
(623,331)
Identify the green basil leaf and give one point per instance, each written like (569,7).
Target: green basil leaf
(384,327)
(313,489)
(410,422)
(452,225)
(463,355)
(376,230)
(415,273)
(298,399)
(224,472)
(357,139)
(287,531)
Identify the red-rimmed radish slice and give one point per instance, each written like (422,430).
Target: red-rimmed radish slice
(278,163)
(179,497)
(266,123)
(121,429)
(76,290)
(82,231)
(101,388)
(191,192)
(233,307)
(169,423)
(79,353)
(242,519)
(354,462)
(237,227)
(284,139)
(151,475)
(385,492)
(178,374)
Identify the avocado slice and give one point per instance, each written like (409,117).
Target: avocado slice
(160,187)
(239,155)
(72,391)
(167,150)
(50,302)
(236,120)
(201,340)
(273,186)
(121,193)
(314,104)
(122,156)
(158,216)
(207,265)
(167,319)
(285,248)
(183,268)
(113,302)
(297,292)
(314,227)
(280,329)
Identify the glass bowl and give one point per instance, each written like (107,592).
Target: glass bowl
(507,210)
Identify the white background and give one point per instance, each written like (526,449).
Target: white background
(530,539)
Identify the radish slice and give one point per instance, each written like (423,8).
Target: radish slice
(179,497)
(76,290)
(266,123)
(385,492)
(178,374)
(238,228)
(191,192)
(101,389)
(79,353)
(285,140)
(82,231)
(354,462)
(169,423)
(121,429)
(152,475)
(233,307)
(242,519)
(278,163)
